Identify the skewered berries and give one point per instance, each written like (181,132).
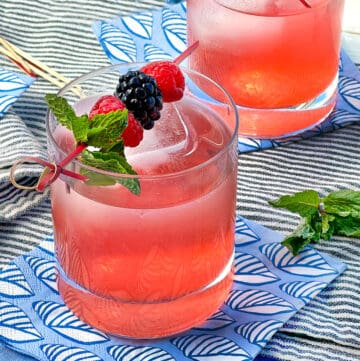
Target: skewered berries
(142,97)
(169,78)
(133,133)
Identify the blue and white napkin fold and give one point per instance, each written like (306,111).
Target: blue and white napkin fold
(12,85)
(270,286)
(161,34)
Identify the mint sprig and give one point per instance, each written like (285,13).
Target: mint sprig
(103,132)
(336,214)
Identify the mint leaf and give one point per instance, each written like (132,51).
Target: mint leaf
(112,162)
(304,203)
(343,203)
(97,179)
(327,226)
(309,231)
(295,243)
(302,236)
(118,147)
(80,128)
(63,112)
(66,116)
(347,226)
(106,129)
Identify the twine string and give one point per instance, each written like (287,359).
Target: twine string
(48,176)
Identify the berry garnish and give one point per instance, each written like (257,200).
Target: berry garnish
(104,133)
(133,133)
(106,104)
(142,97)
(169,78)
(109,127)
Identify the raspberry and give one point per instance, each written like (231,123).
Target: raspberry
(133,133)
(141,95)
(106,104)
(169,78)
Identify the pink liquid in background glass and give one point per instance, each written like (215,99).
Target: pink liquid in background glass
(158,263)
(269,54)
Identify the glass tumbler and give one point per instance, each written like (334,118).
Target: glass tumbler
(157,263)
(277,58)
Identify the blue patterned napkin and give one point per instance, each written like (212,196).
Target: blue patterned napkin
(270,286)
(12,85)
(161,34)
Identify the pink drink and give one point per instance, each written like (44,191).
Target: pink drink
(159,263)
(278,59)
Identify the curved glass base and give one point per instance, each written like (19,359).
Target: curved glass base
(142,320)
(286,122)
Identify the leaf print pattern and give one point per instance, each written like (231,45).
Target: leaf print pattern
(15,325)
(305,291)
(44,270)
(174,27)
(13,283)
(152,53)
(217,321)
(139,24)
(138,353)
(12,85)
(258,302)
(61,320)
(338,119)
(118,45)
(209,347)
(244,235)
(307,263)
(350,91)
(251,271)
(55,352)
(259,333)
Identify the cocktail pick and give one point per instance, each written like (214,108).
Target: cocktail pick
(305,3)
(186,53)
(50,173)
(53,170)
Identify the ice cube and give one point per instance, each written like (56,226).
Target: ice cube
(187,134)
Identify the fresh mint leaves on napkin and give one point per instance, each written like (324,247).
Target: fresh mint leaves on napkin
(336,214)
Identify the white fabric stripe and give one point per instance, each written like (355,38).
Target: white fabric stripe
(290,348)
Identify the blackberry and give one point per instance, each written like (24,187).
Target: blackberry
(142,97)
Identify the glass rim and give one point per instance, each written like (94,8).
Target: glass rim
(109,68)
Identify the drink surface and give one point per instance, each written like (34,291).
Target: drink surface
(144,258)
(270,7)
(267,54)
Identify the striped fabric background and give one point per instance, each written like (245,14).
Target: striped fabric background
(58,32)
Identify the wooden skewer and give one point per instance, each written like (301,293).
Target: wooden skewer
(38,64)
(34,67)
(17,61)
(13,56)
